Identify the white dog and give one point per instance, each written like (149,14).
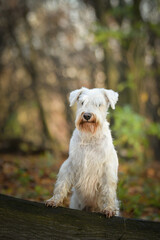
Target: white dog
(92,166)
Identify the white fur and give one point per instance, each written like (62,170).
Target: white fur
(91,169)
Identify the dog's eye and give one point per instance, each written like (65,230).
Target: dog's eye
(82,103)
(100,105)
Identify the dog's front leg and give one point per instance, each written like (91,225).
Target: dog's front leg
(110,202)
(109,197)
(63,184)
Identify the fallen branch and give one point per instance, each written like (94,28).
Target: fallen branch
(21,219)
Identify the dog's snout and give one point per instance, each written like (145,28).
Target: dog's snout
(87,116)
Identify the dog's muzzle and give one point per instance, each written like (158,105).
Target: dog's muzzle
(87,116)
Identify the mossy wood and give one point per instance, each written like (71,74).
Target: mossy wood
(21,219)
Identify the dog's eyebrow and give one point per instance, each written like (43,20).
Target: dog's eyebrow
(98,102)
(83,99)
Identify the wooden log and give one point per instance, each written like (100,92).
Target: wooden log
(21,219)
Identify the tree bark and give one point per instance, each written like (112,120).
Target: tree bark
(21,219)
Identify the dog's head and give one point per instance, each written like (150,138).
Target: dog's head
(92,106)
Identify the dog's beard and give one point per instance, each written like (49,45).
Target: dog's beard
(87,126)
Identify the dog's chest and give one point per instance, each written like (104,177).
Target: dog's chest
(89,154)
(88,161)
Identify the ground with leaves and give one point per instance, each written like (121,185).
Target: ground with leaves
(33,178)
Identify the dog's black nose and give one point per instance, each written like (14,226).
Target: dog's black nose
(87,116)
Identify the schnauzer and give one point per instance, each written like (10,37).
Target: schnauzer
(91,170)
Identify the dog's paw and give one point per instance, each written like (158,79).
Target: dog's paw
(51,203)
(109,212)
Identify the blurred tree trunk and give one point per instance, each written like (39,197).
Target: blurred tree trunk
(100,8)
(29,65)
(64,91)
(153,108)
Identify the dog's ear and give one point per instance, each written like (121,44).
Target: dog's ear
(74,95)
(112,97)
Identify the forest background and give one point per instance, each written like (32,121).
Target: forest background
(49,48)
